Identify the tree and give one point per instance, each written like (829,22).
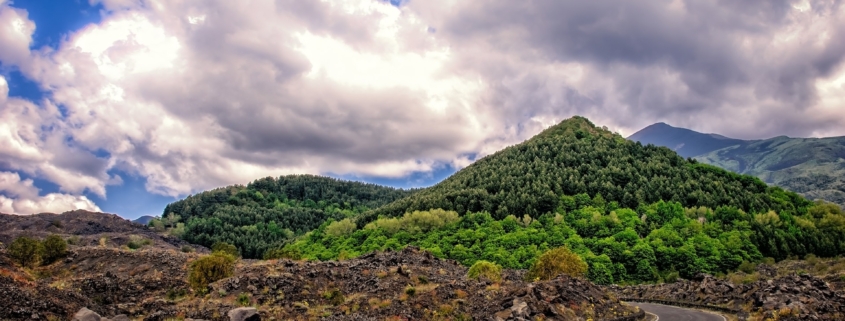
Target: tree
(26,251)
(489,270)
(555,262)
(210,268)
(55,248)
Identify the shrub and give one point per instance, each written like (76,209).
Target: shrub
(225,248)
(55,248)
(410,290)
(489,270)
(747,267)
(555,262)
(26,251)
(243,299)
(137,242)
(187,249)
(282,253)
(210,268)
(334,296)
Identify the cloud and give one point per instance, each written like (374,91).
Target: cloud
(197,94)
(21,197)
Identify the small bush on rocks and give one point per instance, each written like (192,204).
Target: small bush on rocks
(243,299)
(187,249)
(489,270)
(555,262)
(210,268)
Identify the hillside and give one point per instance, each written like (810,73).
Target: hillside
(85,228)
(269,211)
(634,213)
(685,142)
(812,167)
(152,285)
(576,157)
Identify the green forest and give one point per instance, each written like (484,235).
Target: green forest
(634,213)
(576,157)
(651,243)
(269,211)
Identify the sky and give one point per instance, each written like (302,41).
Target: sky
(123,106)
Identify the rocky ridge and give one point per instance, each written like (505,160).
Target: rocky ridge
(408,285)
(84,228)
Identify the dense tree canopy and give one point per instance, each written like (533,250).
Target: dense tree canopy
(268,211)
(575,157)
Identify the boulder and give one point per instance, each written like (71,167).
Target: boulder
(86,315)
(244,314)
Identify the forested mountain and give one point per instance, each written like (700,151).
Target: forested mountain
(268,211)
(576,157)
(634,213)
(685,142)
(812,167)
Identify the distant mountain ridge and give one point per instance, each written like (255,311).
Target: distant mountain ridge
(685,142)
(813,167)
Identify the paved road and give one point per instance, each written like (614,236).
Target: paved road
(670,313)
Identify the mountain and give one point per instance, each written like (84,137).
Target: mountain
(812,167)
(144,220)
(576,157)
(633,213)
(269,211)
(685,142)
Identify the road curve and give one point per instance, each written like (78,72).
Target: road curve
(670,313)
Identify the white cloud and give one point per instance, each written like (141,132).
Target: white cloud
(21,197)
(198,94)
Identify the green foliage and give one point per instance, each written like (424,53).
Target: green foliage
(187,249)
(210,268)
(269,211)
(555,262)
(137,242)
(243,299)
(340,228)
(26,251)
(225,248)
(410,290)
(531,178)
(283,253)
(55,248)
(334,296)
(489,270)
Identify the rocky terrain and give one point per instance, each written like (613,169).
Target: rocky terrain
(791,297)
(83,228)
(152,284)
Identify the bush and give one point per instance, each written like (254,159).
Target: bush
(747,267)
(282,253)
(489,270)
(210,268)
(137,242)
(26,251)
(225,248)
(187,249)
(55,248)
(555,262)
(243,299)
